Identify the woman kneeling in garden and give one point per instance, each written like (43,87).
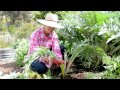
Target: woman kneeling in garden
(46,37)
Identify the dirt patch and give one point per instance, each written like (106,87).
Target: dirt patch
(75,76)
(7,68)
(78,76)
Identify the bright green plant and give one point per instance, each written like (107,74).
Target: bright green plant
(80,26)
(11,29)
(111,30)
(40,52)
(68,61)
(15,44)
(85,26)
(112,67)
(21,52)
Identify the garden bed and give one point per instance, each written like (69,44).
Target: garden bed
(8,67)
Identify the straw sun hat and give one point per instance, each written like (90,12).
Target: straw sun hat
(50,20)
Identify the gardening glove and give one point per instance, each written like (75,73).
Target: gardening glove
(58,62)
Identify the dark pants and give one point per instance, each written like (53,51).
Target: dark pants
(62,48)
(40,67)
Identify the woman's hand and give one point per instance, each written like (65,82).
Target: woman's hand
(47,61)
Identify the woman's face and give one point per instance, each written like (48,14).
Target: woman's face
(48,30)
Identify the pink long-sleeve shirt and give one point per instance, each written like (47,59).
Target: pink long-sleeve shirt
(38,38)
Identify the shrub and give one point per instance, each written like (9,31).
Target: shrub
(90,57)
(21,52)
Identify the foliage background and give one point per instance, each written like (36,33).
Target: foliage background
(96,31)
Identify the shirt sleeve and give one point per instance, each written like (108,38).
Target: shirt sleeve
(55,46)
(33,43)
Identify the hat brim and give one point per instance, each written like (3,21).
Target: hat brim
(50,23)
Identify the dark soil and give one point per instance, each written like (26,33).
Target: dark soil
(78,66)
(74,73)
(55,70)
